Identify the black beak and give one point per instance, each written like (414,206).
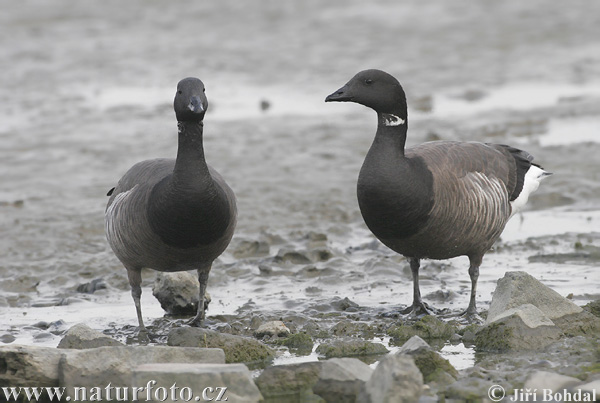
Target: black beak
(196,105)
(341,95)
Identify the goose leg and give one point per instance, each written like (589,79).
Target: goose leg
(418,306)
(135,281)
(471,312)
(203,280)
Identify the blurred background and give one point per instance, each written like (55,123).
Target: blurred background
(86,91)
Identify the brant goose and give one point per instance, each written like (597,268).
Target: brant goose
(437,200)
(173,214)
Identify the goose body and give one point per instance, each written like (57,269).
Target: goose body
(173,214)
(436,200)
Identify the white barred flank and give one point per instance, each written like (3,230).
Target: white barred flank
(112,233)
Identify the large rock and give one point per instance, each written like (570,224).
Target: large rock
(114,365)
(215,382)
(177,292)
(342,379)
(334,380)
(522,328)
(292,382)
(432,365)
(81,336)
(519,288)
(350,348)
(29,365)
(236,348)
(396,379)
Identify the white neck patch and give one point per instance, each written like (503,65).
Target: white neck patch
(392,120)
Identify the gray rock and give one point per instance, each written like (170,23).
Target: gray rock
(548,380)
(342,379)
(236,348)
(432,365)
(292,382)
(413,344)
(273,328)
(467,390)
(335,380)
(396,379)
(579,324)
(517,288)
(29,365)
(350,348)
(217,382)
(99,366)
(589,388)
(177,292)
(521,328)
(81,336)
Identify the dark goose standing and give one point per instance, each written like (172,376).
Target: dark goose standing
(173,214)
(437,200)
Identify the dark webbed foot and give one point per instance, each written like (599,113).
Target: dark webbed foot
(418,309)
(470,316)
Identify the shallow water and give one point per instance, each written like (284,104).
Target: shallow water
(87,91)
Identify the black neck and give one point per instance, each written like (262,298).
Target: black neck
(190,161)
(391,131)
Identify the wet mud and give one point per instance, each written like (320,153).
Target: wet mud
(87,92)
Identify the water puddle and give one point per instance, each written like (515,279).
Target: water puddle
(570,131)
(517,96)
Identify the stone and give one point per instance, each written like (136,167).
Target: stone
(334,380)
(114,365)
(396,379)
(342,379)
(299,343)
(81,336)
(29,365)
(467,390)
(215,382)
(589,387)
(517,288)
(177,292)
(579,324)
(432,365)
(521,328)
(291,382)
(593,308)
(272,328)
(236,348)
(350,348)
(413,344)
(429,328)
(541,380)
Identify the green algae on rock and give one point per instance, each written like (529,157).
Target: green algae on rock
(428,328)
(236,348)
(350,348)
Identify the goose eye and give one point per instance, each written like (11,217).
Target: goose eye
(179,92)
(368,81)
